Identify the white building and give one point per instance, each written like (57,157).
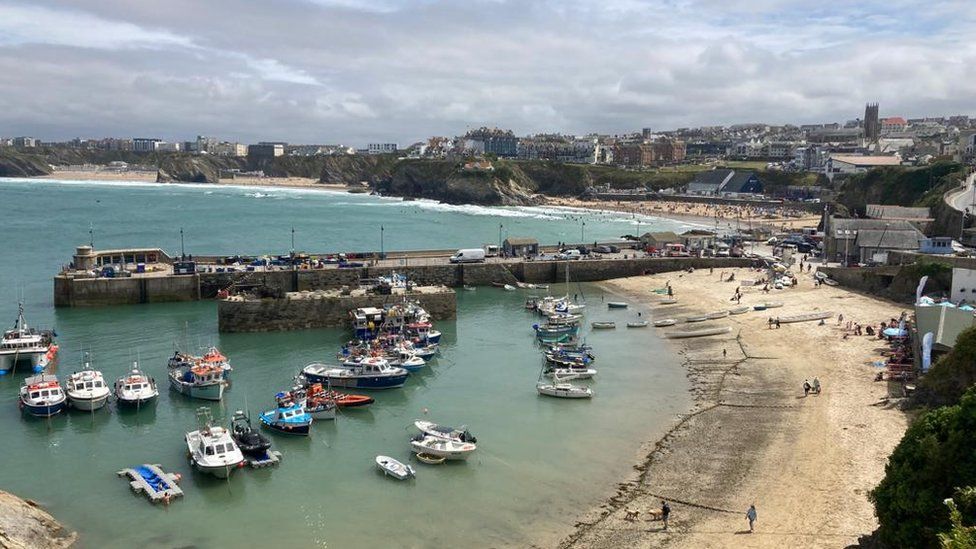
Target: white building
(145,144)
(381,148)
(164,146)
(842,164)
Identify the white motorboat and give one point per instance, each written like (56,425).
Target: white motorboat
(394,468)
(201,380)
(442,431)
(564,390)
(665,322)
(509,288)
(26,344)
(135,388)
(86,390)
(442,447)
(42,396)
(212,450)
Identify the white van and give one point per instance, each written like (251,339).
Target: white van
(468,255)
(569,254)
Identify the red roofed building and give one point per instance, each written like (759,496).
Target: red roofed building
(893,124)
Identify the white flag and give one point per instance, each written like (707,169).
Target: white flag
(921,286)
(927,341)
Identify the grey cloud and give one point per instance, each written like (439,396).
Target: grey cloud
(342,70)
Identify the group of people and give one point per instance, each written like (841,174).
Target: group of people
(811,387)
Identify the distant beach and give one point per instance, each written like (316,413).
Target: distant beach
(143,176)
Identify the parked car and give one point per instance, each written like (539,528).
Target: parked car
(603,250)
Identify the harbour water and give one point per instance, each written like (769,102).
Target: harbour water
(540,462)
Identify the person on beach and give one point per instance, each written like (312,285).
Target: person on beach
(770,323)
(777,323)
(806,387)
(725,353)
(665,513)
(816,385)
(751,515)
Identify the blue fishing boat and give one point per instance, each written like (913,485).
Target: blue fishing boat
(554,331)
(370,373)
(288,417)
(42,396)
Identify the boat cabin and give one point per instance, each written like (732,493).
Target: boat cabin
(86,383)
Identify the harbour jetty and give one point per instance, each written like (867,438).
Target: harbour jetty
(150,275)
(323,308)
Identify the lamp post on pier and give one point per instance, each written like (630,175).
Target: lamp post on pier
(500,238)
(583,234)
(182,249)
(382,249)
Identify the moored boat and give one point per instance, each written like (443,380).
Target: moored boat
(86,390)
(42,396)
(740,310)
(717,315)
(394,468)
(442,447)
(563,390)
(665,322)
(603,325)
(698,333)
(211,449)
(135,388)
(373,373)
(430,428)
(201,380)
(578,373)
(287,417)
(248,439)
(637,324)
(616,305)
(26,344)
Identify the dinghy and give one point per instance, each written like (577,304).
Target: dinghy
(442,447)
(616,305)
(717,315)
(665,322)
(805,317)
(578,373)
(641,324)
(442,431)
(701,318)
(671,301)
(698,333)
(564,390)
(829,281)
(603,325)
(430,459)
(740,310)
(394,468)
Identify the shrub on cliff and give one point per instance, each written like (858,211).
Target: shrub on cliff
(935,460)
(951,375)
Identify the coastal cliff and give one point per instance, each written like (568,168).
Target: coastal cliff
(24,525)
(14,164)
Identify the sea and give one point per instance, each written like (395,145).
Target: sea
(540,463)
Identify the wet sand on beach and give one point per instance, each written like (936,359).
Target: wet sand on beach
(807,463)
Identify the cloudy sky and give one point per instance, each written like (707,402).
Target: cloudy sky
(354,71)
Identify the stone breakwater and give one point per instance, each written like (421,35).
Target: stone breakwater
(322,308)
(93,292)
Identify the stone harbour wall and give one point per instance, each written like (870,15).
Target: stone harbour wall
(304,311)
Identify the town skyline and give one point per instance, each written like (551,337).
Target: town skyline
(355,72)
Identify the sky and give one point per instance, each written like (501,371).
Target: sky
(357,71)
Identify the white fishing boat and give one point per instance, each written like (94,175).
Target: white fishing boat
(698,333)
(212,450)
(135,388)
(430,428)
(201,380)
(442,447)
(394,468)
(28,345)
(665,322)
(86,390)
(637,324)
(42,396)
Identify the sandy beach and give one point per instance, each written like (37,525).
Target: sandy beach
(807,463)
(723,216)
(150,176)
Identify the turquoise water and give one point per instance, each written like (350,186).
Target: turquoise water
(540,461)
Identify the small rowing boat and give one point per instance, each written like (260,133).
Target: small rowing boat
(717,315)
(670,301)
(394,468)
(430,459)
(701,318)
(641,324)
(603,325)
(740,310)
(665,322)
(616,305)
(698,333)
(805,317)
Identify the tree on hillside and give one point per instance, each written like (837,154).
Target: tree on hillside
(933,461)
(951,375)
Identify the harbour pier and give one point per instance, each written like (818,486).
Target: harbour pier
(117,277)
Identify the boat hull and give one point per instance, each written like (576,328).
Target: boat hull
(298,429)
(136,402)
(88,404)
(219,471)
(213,391)
(37,360)
(44,410)
(360,382)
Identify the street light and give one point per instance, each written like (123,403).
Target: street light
(499,238)
(182,252)
(583,233)
(382,250)
(293,241)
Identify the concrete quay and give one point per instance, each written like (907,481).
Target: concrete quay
(161,284)
(323,308)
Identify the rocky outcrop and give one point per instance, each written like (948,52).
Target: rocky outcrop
(15,164)
(449,182)
(24,525)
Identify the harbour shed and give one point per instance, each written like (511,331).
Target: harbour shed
(519,246)
(660,239)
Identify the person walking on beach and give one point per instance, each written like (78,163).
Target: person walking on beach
(751,515)
(777,323)
(665,513)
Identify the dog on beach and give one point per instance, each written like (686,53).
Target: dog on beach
(631,516)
